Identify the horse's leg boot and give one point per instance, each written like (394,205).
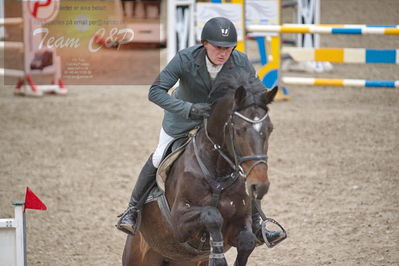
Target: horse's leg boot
(129,218)
(270,238)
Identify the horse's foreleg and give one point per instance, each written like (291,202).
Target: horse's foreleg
(246,242)
(189,219)
(212,220)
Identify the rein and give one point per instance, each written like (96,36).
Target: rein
(217,187)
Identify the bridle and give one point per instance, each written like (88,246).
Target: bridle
(219,184)
(238,160)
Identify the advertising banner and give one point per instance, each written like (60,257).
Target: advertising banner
(87,42)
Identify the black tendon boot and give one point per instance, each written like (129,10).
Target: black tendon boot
(270,238)
(128,219)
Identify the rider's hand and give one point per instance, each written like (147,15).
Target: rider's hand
(200,111)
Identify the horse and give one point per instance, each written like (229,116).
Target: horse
(210,189)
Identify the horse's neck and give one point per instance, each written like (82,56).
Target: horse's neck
(215,163)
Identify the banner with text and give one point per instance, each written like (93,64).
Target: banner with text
(94,42)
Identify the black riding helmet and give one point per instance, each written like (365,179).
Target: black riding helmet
(219,31)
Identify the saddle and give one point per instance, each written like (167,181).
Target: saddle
(172,152)
(176,149)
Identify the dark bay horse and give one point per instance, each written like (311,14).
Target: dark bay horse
(210,189)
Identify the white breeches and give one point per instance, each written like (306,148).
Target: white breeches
(164,140)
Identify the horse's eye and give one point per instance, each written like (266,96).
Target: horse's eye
(241,131)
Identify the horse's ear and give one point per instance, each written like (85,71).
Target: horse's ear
(269,95)
(240,95)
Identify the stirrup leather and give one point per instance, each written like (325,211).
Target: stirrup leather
(264,233)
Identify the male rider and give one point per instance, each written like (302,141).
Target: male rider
(198,70)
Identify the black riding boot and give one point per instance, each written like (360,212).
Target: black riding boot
(272,237)
(128,219)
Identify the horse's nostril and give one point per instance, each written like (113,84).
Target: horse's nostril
(253,190)
(259,190)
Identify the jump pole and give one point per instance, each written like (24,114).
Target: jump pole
(353,55)
(344,55)
(327,29)
(361,83)
(11,21)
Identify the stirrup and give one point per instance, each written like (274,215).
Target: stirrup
(264,233)
(135,225)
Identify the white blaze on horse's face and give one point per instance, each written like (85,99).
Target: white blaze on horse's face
(257,126)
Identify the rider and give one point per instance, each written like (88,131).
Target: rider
(197,69)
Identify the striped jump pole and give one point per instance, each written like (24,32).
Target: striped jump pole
(327,29)
(341,82)
(344,55)
(338,55)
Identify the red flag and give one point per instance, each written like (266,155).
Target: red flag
(32,201)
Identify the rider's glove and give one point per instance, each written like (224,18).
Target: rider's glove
(200,111)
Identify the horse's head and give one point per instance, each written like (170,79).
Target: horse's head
(242,126)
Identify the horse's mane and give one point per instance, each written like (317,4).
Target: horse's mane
(243,79)
(231,83)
